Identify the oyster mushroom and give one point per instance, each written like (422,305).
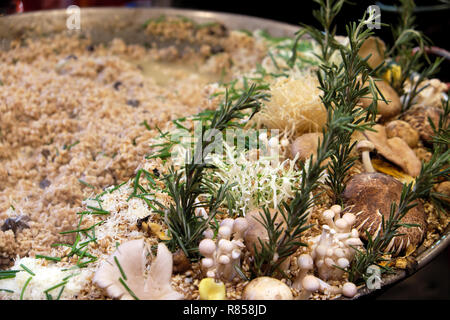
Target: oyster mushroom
(369,197)
(394,149)
(386,110)
(376,48)
(417,117)
(266,288)
(131,257)
(403,130)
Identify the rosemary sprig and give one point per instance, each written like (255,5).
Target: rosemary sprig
(407,37)
(185,187)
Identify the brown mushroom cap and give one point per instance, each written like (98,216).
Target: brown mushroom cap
(402,129)
(376,48)
(444,189)
(395,150)
(256,230)
(418,116)
(369,197)
(386,110)
(306,145)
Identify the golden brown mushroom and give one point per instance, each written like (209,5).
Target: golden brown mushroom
(395,150)
(417,117)
(402,129)
(376,48)
(386,110)
(306,145)
(369,197)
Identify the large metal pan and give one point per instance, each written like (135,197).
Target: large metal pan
(104,24)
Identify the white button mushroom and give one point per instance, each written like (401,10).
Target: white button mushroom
(266,288)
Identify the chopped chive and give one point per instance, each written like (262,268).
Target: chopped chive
(7,290)
(116,187)
(70,146)
(86,184)
(82,230)
(27,270)
(24,287)
(98,210)
(70,276)
(48,296)
(12,207)
(84,264)
(56,286)
(146,125)
(124,276)
(128,289)
(8,274)
(60,293)
(39,256)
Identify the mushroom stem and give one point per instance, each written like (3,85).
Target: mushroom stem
(366,162)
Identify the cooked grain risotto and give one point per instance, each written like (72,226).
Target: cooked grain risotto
(76,119)
(99,200)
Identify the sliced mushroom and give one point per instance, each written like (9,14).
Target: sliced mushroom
(403,130)
(418,116)
(131,257)
(387,110)
(369,196)
(376,48)
(394,149)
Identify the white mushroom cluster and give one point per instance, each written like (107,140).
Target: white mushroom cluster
(224,252)
(334,247)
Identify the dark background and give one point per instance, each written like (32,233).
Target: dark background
(431,282)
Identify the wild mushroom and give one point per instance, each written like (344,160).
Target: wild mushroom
(312,284)
(394,149)
(376,48)
(306,264)
(430,92)
(128,263)
(224,253)
(336,245)
(402,129)
(369,197)
(387,110)
(256,231)
(266,288)
(305,146)
(418,116)
(365,146)
(443,190)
